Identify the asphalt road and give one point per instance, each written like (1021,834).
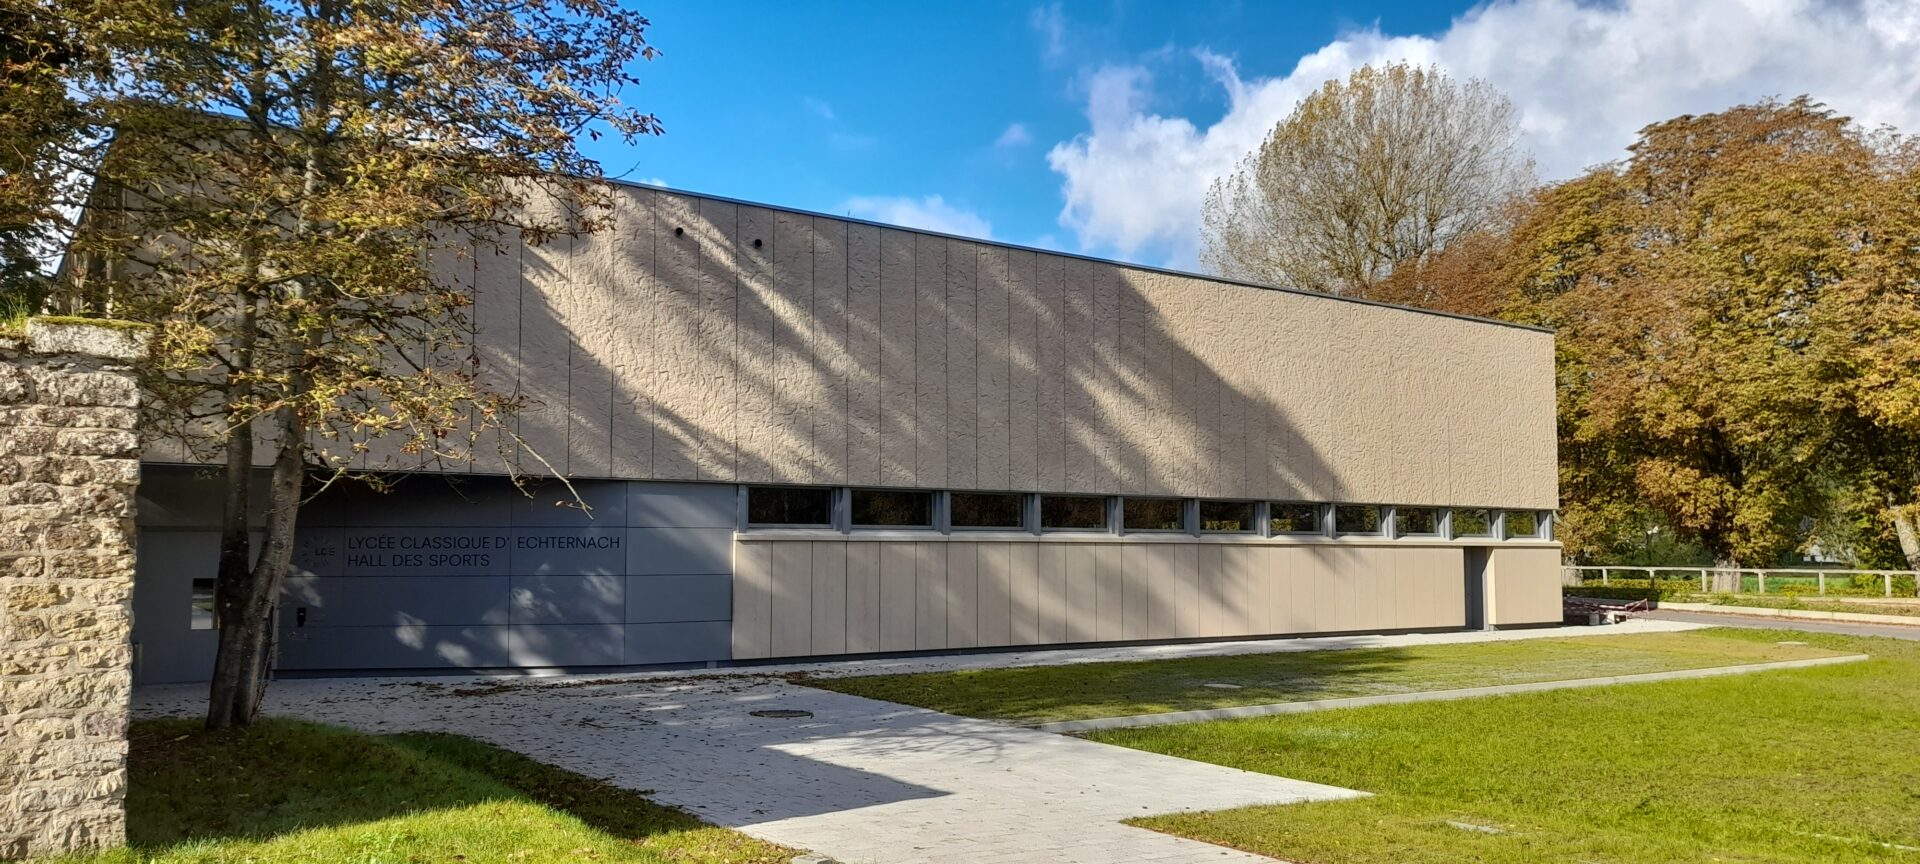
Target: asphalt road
(1891,631)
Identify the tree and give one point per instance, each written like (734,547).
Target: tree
(1868,353)
(1686,287)
(43,133)
(285,181)
(1367,175)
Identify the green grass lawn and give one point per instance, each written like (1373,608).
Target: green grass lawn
(284,791)
(1909,608)
(1082,691)
(1803,765)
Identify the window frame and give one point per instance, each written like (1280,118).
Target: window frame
(1539,525)
(1108,512)
(1439,522)
(1027,517)
(193,604)
(933,509)
(1187,523)
(1453,524)
(1380,514)
(838,505)
(1200,517)
(1319,519)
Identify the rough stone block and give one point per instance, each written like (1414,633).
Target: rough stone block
(40,596)
(68,474)
(112,340)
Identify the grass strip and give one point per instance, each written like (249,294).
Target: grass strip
(1048,694)
(286,791)
(1790,766)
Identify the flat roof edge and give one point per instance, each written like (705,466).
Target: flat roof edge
(1168,271)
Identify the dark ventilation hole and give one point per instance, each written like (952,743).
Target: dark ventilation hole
(679,231)
(782,713)
(756,242)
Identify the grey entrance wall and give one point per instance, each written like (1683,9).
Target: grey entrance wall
(461,573)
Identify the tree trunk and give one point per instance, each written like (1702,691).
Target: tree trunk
(233,589)
(1905,527)
(1726,577)
(233,585)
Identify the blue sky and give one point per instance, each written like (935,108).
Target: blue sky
(1095,126)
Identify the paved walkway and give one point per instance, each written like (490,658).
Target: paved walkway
(859,780)
(1731,619)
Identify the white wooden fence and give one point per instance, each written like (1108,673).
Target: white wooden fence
(1732,580)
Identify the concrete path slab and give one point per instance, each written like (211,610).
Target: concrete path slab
(858,780)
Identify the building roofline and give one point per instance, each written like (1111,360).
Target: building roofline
(1167,271)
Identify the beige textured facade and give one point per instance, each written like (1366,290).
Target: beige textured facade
(703,339)
(714,341)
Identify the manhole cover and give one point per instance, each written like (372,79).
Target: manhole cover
(1789,643)
(782,713)
(1219,686)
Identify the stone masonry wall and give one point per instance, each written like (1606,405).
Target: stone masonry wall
(68,472)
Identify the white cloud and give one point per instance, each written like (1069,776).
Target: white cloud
(1051,23)
(818,108)
(1585,78)
(1016,135)
(931,213)
(653,181)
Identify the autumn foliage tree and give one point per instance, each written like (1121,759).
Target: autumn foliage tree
(1738,333)
(1368,175)
(289,186)
(43,142)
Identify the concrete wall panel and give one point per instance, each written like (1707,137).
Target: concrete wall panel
(865,354)
(864,600)
(693,597)
(753,601)
(681,505)
(961,373)
(831,423)
(1024,600)
(899,418)
(963,594)
(830,605)
(996,594)
(1050,372)
(680,372)
(712,413)
(1146,588)
(1110,580)
(676,642)
(792,599)
(1024,315)
(668,551)
(568,599)
(406,646)
(898,585)
(932,326)
(759,305)
(1081,580)
(992,370)
(542,645)
(931,599)
(1525,585)
(632,297)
